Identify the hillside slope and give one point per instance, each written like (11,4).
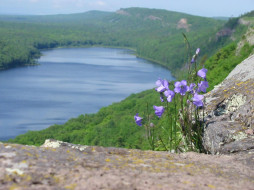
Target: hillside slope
(114,125)
(154,34)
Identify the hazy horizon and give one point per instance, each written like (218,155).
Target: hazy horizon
(23,14)
(209,8)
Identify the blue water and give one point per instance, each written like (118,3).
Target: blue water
(69,82)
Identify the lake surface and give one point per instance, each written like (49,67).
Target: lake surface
(69,82)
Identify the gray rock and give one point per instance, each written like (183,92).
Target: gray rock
(229,113)
(60,165)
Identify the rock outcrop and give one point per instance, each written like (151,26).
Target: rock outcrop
(58,165)
(230,112)
(183,24)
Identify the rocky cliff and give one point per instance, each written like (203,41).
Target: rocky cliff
(228,135)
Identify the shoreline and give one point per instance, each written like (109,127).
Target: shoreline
(124,50)
(89,46)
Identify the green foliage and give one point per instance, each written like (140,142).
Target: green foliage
(182,128)
(249,14)
(152,38)
(232,23)
(224,61)
(114,125)
(111,126)
(154,34)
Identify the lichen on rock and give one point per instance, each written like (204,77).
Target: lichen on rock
(29,167)
(51,143)
(233,103)
(229,112)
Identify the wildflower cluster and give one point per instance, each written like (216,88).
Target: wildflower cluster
(187,99)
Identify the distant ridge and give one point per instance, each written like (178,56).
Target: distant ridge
(155,34)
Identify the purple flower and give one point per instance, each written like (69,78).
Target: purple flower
(181,87)
(202,73)
(197,51)
(170,95)
(158,110)
(193,59)
(202,86)
(138,120)
(191,88)
(195,56)
(162,85)
(197,100)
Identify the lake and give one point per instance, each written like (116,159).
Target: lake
(69,82)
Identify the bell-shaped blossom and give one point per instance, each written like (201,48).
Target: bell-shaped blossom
(191,88)
(181,87)
(162,85)
(158,110)
(202,86)
(138,120)
(202,73)
(193,60)
(197,51)
(198,100)
(169,94)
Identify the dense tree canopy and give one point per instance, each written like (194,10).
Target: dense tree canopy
(154,34)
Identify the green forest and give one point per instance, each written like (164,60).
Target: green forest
(114,125)
(156,35)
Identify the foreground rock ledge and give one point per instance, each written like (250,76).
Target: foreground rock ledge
(229,121)
(58,165)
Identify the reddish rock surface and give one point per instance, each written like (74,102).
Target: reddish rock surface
(67,166)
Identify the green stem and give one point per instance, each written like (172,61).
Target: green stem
(175,123)
(188,54)
(152,135)
(163,143)
(148,131)
(171,128)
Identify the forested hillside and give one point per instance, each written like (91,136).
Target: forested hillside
(154,34)
(114,125)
